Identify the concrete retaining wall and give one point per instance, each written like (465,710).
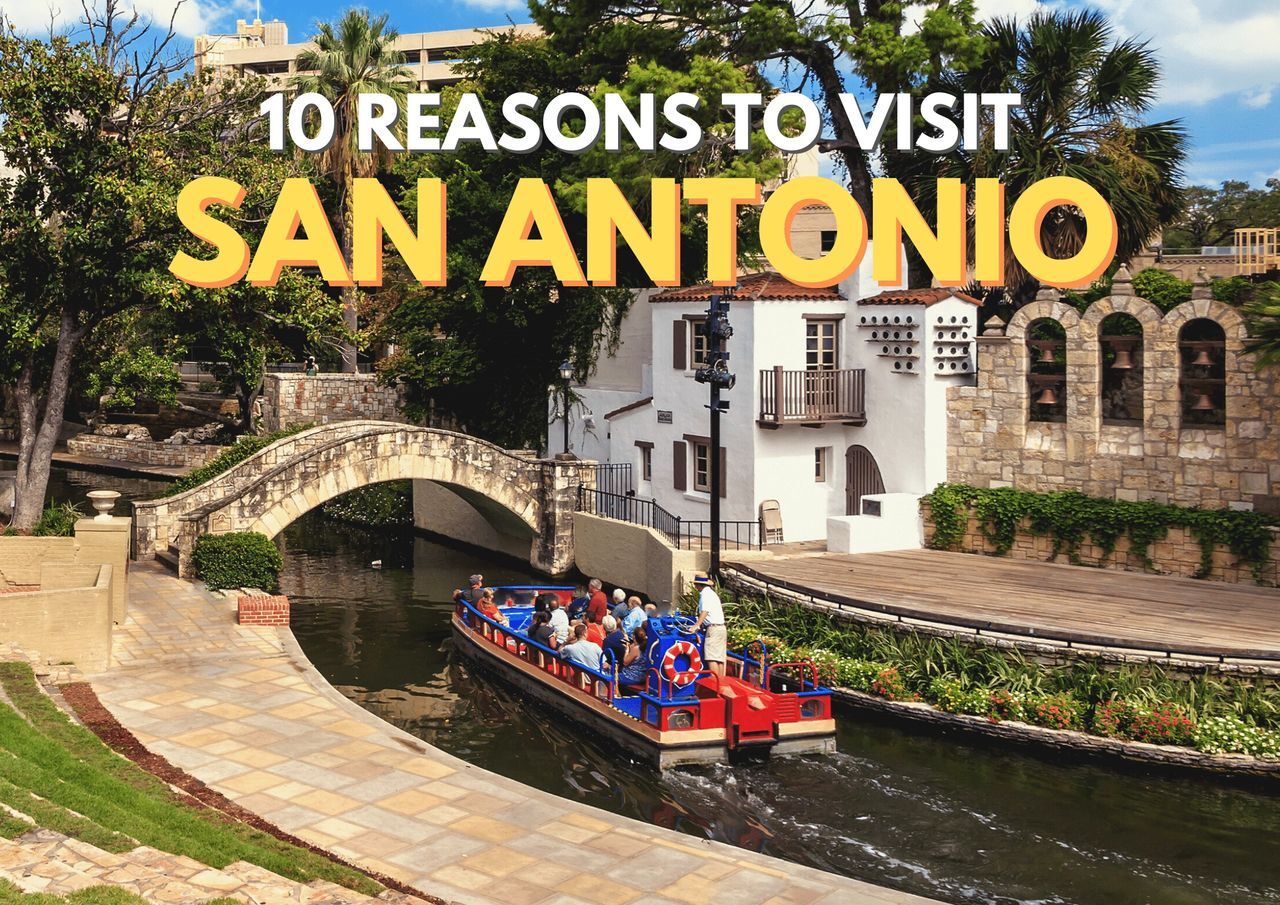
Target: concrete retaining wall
(633,557)
(439,509)
(69,618)
(23,560)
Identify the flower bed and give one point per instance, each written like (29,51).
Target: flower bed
(1206,716)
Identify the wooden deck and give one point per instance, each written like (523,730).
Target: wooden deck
(1046,600)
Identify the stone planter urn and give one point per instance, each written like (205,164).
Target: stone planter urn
(103,502)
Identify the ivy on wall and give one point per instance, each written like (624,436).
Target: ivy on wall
(1069,517)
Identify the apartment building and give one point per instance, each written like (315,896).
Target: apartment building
(263,48)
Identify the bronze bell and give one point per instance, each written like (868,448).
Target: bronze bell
(1046,354)
(1124,359)
(1047,397)
(1203,403)
(1203,359)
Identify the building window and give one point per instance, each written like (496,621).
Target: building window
(1120,341)
(702,467)
(821,345)
(646,460)
(699,342)
(828,240)
(821,463)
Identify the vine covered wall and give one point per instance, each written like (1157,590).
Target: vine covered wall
(1220,545)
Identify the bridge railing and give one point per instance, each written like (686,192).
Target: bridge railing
(684,534)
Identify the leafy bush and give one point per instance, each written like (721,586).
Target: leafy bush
(1165,725)
(1228,735)
(859,675)
(1004,705)
(1113,719)
(230,457)
(954,696)
(58,521)
(1161,288)
(888,684)
(1055,711)
(243,559)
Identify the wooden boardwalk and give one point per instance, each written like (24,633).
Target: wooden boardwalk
(1043,600)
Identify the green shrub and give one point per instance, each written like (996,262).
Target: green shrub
(889,685)
(233,455)
(1161,288)
(1114,719)
(954,696)
(244,559)
(1228,735)
(58,521)
(1167,724)
(859,675)
(1002,704)
(1055,711)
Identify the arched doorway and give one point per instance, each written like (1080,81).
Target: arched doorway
(861,477)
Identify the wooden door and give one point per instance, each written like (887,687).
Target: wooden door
(861,477)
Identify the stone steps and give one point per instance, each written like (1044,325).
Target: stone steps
(169,558)
(48,862)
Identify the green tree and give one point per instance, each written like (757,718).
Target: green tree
(1264,326)
(1212,215)
(353,58)
(1084,96)
(891,47)
(482,357)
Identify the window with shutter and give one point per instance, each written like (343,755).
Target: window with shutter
(679,344)
(679,461)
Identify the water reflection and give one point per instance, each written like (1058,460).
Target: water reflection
(924,814)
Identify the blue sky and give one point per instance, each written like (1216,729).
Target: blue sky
(1221,58)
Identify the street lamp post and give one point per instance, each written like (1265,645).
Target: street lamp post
(715,373)
(566,375)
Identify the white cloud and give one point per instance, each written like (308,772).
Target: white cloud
(193,17)
(1208,48)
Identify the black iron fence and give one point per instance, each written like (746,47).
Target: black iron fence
(685,534)
(614,477)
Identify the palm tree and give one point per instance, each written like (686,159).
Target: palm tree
(353,58)
(1083,98)
(1264,326)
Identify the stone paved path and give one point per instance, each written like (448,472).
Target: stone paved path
(242,709)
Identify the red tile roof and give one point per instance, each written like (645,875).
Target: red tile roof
(639,403)
(752,286)
(916,297)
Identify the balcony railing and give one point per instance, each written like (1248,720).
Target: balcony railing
(812,398)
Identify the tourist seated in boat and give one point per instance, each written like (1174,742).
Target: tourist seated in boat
(474,590)
(615,639)
(635,616)
(488,607)
(580,651)
(635,664)
(596,632)
(541,630)
(620,608)
(559,618)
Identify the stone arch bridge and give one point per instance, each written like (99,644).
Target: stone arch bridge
(287,479)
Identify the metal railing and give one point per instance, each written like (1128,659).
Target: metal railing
(812,397)
(684,534)
(614,477)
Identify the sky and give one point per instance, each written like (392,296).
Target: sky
(1220,58)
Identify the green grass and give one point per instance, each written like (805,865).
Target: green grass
(94,895)
(71,770)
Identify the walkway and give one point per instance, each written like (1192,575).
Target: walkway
(64,459)
(1147,613)
(242,710)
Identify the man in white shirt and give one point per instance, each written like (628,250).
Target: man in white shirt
(711,617)
(582,652)
(559,619)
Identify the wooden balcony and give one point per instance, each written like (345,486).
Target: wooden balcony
(812,398)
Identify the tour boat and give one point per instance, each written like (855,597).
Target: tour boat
(683,713)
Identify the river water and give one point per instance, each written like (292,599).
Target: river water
(927,814)
(922,813)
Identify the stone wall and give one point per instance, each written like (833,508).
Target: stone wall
(992,442)
(290,399)
(1178,554)
(144,452)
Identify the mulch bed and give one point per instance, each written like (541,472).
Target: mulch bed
(84,701)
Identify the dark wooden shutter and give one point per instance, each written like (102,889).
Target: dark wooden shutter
(724,475)
(679,344)
(679,461)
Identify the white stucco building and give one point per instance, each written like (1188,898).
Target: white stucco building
(840,396)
